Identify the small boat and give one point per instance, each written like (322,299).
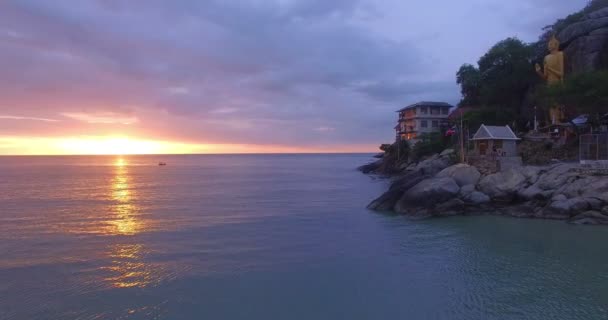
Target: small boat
(162,163)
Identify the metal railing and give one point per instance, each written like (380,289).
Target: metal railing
(593,147)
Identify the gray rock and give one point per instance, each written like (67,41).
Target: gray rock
(503,185)
(590,217)
(598,14)
(370,167)
(450,208)
(463,174)
(429,192)
(557,176)
(477,198)
(387,201)
(447,152)
(467,190)
(559,197)
(531,173)
(567,208)
(584,42)
(594,203)
(432,165)
(530,193)
(587,221)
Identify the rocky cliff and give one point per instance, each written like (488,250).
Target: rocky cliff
(585,43)
(561,191)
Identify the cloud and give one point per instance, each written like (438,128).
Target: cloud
(101,117)
(325,129)
(8,117)
(242,71)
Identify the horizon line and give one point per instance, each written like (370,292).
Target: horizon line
(182,154)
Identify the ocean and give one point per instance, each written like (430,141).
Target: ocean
(270,237)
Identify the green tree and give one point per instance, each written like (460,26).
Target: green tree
(468,77)
(500,83)
(506,74)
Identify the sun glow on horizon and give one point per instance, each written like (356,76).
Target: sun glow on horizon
(113,146)
(122,145)
(93,145)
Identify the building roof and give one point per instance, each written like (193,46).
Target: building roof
(495,133)
(426,104)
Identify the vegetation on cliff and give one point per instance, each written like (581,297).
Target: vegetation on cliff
(504,87)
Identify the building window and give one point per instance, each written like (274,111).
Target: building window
(435,111)
(435,124)
(424,124)
(423,110)
(445,110)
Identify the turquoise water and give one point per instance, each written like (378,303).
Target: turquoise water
(270,237)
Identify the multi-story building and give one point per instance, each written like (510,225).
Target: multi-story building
(420,118)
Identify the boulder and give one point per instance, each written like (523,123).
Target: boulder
(531,193)
(531,173)
(463,174)
(594,203)
(450,208)
(432,165)
(477,198)
(370,167)
(595,187)
(429,192)
(467,190)
(566,208)
(590,217)
(557,176)
(503,185)
(524,210)
(387,201)
(559,197)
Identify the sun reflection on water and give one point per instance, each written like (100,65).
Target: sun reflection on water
(125,220)
(128,267)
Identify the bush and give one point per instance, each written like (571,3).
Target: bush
(429,144)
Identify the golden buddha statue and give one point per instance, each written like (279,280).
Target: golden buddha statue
(553,71)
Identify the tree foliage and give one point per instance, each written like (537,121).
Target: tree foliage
(488,116)
(502,78)
(584,93)
(506,74)
(469,79)
(503,83)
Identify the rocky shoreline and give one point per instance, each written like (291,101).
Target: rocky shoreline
(436,187)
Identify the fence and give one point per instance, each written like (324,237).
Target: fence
(593,148)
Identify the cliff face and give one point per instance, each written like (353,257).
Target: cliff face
(563,191)
(585,43)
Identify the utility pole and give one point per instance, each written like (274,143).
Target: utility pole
(535,122)
(461,139)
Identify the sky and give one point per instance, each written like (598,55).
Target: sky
(222,76)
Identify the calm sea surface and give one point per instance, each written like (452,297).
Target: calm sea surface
(270,237)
